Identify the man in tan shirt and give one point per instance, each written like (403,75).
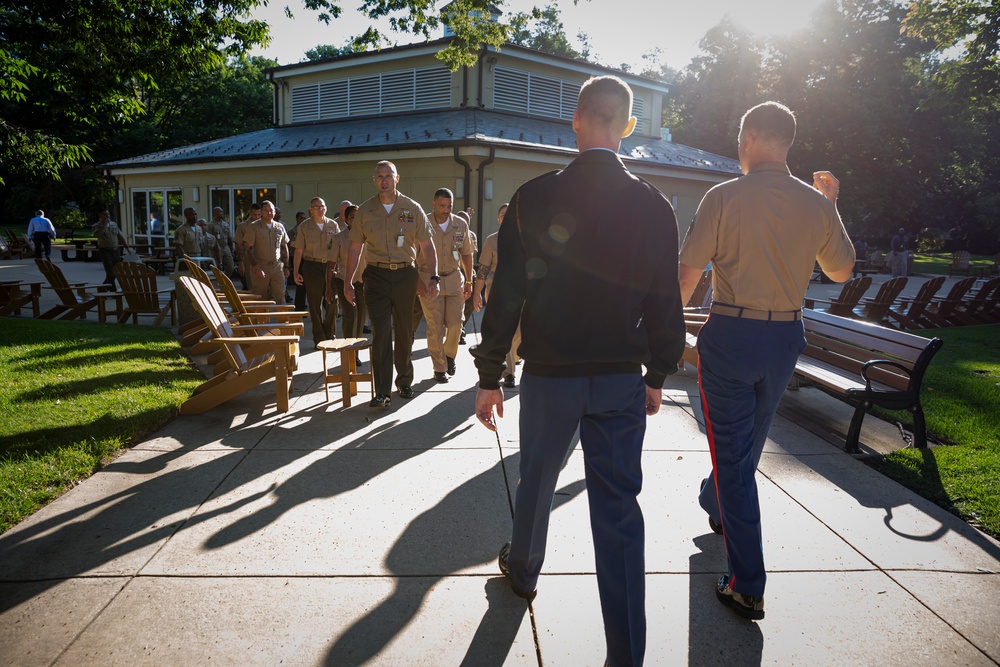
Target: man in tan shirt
(453,243)
(389,227)
(219,228)
(266,244)
(313,240)
(240,248)
(487,268)
(762,233)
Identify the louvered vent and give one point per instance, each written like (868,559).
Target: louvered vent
(405,90)
(514,90)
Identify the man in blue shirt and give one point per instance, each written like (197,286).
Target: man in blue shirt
(42,232)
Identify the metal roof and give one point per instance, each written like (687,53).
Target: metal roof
(420,130)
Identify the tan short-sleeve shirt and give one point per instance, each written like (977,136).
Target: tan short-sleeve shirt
(313,242)
(380,231)
(488,259)
(763,233)
(339,253)
(451,243)
(266,243)
(189,238)
(220,230)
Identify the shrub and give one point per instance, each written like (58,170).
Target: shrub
(931,240)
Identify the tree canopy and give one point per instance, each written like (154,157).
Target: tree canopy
(73,67)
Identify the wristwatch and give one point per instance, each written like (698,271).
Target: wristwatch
(436,278)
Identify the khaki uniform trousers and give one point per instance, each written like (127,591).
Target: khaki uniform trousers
(444,320)
(322,315)
(514,342)
(272,285)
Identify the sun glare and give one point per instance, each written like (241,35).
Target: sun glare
(773,17)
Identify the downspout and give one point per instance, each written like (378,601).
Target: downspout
(479,62)
(465,86)
(468,173)
(274,109)
(479,199)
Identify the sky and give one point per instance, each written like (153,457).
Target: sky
(616,36)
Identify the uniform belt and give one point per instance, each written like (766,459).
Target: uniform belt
(445,275)
(313,259)
(751,314)
(393,266)
(269,262)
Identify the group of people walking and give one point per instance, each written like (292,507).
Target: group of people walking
(591,233)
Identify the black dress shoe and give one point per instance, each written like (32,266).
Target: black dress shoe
(451,365)
(502,562)
(508,381)
(406,392)
(380,401)
(366,329)
(440,377)
(461,341)
(747,606)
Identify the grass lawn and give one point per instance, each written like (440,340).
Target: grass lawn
(940,263)
(961,401)
(72,395)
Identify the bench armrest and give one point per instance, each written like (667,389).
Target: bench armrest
(880,362)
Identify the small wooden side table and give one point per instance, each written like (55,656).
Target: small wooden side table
(348,377)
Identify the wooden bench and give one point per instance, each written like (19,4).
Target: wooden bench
(866,365)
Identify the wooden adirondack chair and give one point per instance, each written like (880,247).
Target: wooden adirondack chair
(76,298)
(15,295)
(7,252)
(254,311)
(849,298)
(939,310)
(878,261)
(981,308)
(251,359)
(907,315)
(875,309)
(959,263)
(142,297)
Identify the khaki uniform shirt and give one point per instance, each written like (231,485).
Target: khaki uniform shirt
(189,238)
(267,245)
(220,230)
(488,260)
(108,236)
(209,246)
(339,253)
(390,237)
(315,243)
(450,244)
(763,233)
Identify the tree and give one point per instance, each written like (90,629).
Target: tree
(858,87)
(548,34)
(716,88)
(321,51)
(232,98)
(71,65)
(971,25)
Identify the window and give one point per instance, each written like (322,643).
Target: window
(155,215)
(235,200)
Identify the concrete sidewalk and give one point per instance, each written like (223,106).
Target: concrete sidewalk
(354,536)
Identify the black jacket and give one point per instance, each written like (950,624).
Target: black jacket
(588,264)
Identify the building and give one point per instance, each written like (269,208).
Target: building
(481,131)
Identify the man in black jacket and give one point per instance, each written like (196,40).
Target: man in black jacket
(590,233)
